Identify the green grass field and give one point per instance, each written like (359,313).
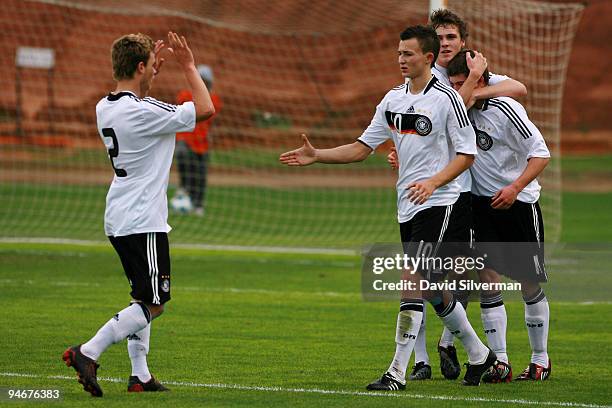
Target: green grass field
(262,329)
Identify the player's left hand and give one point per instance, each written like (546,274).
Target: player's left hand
(476,64)
(180,49)
(159,46)
(420,191)
(504,198)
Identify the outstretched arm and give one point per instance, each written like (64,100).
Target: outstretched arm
(307,154)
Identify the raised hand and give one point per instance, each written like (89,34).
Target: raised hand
(476,64)
(159,46)
(180,50)
(303,156)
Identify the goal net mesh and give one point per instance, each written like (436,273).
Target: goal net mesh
(281,68)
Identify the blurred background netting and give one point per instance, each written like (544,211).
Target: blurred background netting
(281,68)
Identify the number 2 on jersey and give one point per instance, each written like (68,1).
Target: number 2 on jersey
(114,151)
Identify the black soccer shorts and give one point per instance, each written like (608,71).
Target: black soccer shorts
(447,229)
(513,239)
(146,262)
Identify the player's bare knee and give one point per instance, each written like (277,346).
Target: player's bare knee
(529,288)
(489,276)
(155,310)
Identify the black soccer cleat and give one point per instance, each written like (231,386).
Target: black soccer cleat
(420,371)
(535,372)
(475,371)
(135,385)
(386,383)
(449,364)
(86,368)
(500,372)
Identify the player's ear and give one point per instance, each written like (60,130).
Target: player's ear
(430,58)
(141,67)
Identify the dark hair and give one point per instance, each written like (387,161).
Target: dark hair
(426,36)
(444,17)
(458,65)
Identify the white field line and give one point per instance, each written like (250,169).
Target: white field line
(239,248)
(332,392)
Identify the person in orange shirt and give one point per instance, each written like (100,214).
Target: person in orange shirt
(192,148)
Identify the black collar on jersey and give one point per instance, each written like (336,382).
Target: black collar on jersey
(115,97)
(485,105)
(431,83)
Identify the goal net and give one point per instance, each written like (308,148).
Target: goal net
(280,68)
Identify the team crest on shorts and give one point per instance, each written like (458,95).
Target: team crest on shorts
(483,140)
(422,125)
(165,286)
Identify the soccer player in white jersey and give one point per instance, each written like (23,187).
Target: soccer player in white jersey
(424,118)
(139,133)
(512,153)
(452,32)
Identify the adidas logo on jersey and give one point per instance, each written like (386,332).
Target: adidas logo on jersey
(410,109)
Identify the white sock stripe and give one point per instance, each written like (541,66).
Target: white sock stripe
(491,300)
(405,303)
(448,308)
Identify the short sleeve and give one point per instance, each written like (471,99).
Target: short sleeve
(378,131)
(495,79)
(458,126)
(160,118)
(526,135)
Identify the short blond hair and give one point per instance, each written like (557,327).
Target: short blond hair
(127,52)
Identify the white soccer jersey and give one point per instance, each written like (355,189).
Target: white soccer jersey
(424,127)
(506,139)
(139,135)
(440,72)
